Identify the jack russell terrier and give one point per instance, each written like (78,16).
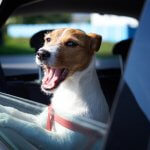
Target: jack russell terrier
(68,60)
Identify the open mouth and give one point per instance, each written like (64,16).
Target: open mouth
(53,77)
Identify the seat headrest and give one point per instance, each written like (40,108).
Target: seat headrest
(37,40)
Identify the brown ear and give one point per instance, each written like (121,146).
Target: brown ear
(95,41)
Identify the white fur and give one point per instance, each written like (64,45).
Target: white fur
(79,95)
(53,49)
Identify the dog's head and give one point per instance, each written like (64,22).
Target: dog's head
(65,51)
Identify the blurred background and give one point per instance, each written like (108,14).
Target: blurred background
(20,76)
(19,29)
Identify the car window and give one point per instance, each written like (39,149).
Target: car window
(23,77)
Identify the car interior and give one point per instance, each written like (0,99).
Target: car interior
(109,78)
(113,81)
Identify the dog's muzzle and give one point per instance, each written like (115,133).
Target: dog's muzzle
(43,54)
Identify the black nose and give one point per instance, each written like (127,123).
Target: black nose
(43,54)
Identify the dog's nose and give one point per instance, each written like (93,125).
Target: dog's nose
(43,54)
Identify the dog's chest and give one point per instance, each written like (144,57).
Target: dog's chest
(70,98)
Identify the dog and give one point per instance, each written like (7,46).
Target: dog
(68,60)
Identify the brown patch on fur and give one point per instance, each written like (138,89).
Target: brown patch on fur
(96,41)
(75,58)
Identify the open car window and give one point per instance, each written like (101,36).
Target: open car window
(10,140)
(13,140)
(22,104)
(129,126)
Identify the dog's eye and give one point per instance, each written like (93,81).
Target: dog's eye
(71,44)
(48,39)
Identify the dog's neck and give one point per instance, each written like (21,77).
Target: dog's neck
(81,95)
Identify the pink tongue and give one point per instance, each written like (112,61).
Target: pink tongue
(51,78)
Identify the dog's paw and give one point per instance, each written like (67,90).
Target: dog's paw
(5,120)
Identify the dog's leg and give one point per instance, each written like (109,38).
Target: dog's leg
(36,135)
(18,114)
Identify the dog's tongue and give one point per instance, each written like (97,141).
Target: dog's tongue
(51,78)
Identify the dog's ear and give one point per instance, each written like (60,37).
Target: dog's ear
(95,41)
(37,40)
